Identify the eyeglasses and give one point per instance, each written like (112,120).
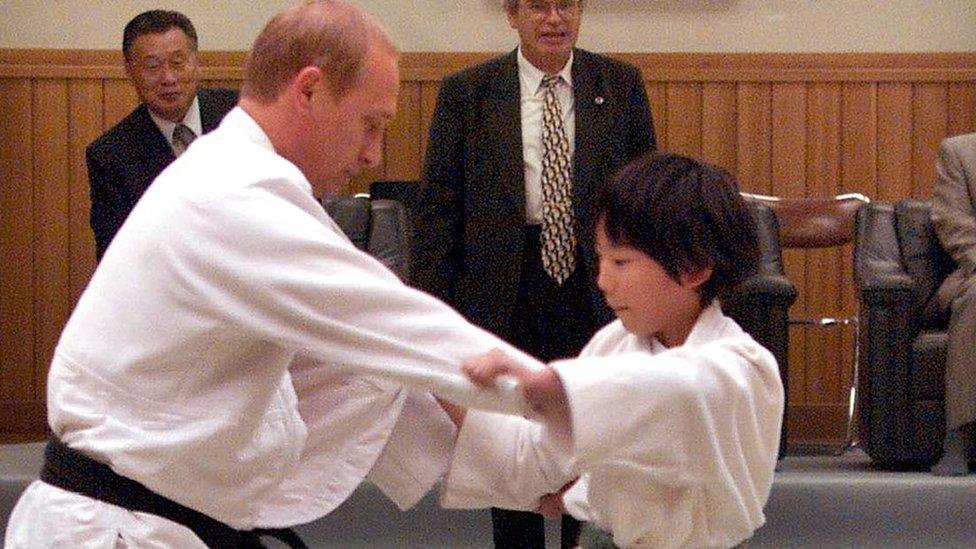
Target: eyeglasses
(541,9)
(154,66)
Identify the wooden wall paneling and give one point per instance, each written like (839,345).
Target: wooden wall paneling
(894,175)
(859,168)
(859,140)
(818,295)
(718,126)
(787,124)
(120,99)
(17,245)
(823,139)
(402,140)
(51,221)
(85,125)
(684,123)
(962,108)
(753,135)
(788,138)
(930,119)
(657,98)
(788,142)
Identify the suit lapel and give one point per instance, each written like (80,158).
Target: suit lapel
(209,117)
(592,122)
(503,116)
(151,145)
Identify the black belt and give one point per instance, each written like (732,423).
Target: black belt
(73,471)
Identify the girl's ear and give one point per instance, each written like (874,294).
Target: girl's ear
(694,279)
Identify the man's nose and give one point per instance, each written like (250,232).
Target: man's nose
(169,74)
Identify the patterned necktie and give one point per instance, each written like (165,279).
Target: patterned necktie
(182,137)
(558,240)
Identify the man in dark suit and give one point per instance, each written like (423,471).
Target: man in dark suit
(160,49)
(488,188)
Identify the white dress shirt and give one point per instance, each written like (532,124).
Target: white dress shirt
(191,120)
(532,107)
(673,447)
(217,357)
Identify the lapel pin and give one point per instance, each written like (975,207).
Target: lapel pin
(599,100)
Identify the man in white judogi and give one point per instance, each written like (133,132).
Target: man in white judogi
(218,356)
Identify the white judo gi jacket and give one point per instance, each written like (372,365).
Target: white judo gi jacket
(673,447)
(218,352)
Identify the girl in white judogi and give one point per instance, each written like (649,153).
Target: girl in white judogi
(665,430)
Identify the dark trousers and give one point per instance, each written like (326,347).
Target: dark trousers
(550,322)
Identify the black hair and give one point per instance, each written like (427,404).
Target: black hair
(685,215)
(154,22)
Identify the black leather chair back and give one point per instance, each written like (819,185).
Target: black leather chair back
(760,303)
(379,227)
(898,266)
(923,257)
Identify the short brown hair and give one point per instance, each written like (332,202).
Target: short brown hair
(330,34)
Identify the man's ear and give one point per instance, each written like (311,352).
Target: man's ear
(308,83)
(696,277)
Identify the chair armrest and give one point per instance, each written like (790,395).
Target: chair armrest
(774,289)
(760,304)
(888,323)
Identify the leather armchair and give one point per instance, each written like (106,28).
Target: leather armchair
(760,304)
(898,266)
(379,227)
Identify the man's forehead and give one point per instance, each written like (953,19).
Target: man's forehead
(172,34)
(384,78)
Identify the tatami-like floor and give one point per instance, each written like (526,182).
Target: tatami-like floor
(817,502)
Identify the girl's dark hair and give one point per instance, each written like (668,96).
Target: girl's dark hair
(685,215)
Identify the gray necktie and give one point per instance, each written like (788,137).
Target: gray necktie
(182,137)
(558,240)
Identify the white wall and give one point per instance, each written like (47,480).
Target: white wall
(479,25)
